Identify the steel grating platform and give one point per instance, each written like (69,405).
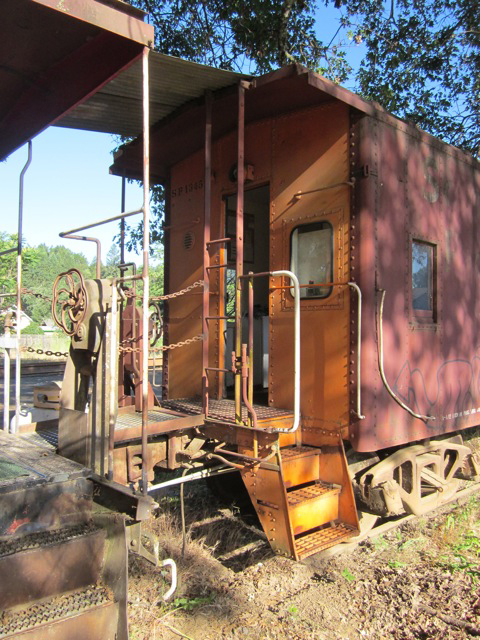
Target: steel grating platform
(224,410)
(43,436)
(134,419)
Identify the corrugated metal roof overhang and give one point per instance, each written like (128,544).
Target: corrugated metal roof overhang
(182,132)
(117,107)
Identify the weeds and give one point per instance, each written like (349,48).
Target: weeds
(189,604)
(348,576)
(380,543)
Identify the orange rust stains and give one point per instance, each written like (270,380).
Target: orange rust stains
(311,153)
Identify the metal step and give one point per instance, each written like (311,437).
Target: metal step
(312,506)
(87,613)
(299,465)
(49,563)
(310,543)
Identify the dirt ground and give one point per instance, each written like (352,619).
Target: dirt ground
(419,580)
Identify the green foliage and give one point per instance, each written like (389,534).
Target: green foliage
(8,262)
(348,575)
(258,35)
(422,63)
(188,604)
(396,564)
(110,270)
(33,329)
(40,273)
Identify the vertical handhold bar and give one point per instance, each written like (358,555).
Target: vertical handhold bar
(19,288)
(145,274)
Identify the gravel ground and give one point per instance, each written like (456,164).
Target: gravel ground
(416,581)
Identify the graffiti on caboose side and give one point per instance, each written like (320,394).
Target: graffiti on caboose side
(455,392)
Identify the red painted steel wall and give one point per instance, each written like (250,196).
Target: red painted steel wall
(422,189)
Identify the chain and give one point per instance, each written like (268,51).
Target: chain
(169,296)
(35,295)
(166,347)
(57,354)
(199,283)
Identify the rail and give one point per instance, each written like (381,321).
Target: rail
(352,285)
(72,234)
(296,329)
(382,370)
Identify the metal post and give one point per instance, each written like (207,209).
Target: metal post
(250,342)
(19,288)
(239,247)
(112,385)
(206,240)
(122,225)
(6,384)
(145,275)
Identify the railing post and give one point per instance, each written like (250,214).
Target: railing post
(145,274)
(206,241)
(239,247)
(19,289)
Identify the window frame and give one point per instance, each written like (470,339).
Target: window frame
(425,316)
(315,226)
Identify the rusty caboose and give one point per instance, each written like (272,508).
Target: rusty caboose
(319,310)
(335,250)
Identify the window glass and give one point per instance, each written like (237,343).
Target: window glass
(422,277)
(312,258)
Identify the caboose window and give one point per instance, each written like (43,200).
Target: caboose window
(312,258)
(423,279)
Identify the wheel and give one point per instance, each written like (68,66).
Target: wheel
(70,301)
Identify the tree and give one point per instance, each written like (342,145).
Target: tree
(422,63)
(253,35)
(422,59)
(40,275)
(110,270)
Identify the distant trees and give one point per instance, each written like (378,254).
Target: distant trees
(41,265)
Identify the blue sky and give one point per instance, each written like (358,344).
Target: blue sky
(68,183)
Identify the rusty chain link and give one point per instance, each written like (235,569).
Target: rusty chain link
(47,352)
(166,347)
(199,283)
(30,292)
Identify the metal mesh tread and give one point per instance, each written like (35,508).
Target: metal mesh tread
(134,419)
(224,410)
(290,453)
(54,609)
(321,539)
(43,437)
(317,490)
(16,544)
(38,463)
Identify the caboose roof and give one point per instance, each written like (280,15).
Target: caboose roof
(180,131)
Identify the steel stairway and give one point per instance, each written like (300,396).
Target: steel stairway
(305,502)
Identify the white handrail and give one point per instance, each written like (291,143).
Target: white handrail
(296,362)
(355,286)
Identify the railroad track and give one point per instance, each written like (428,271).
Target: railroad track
(258,542)
(37,368)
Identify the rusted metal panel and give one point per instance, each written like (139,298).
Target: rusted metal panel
(79,59)
(119,18)
(424,192)
(45,505)
(310,152)
(99,623)
(51,569)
